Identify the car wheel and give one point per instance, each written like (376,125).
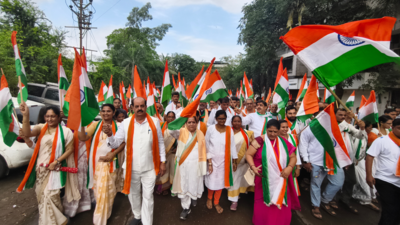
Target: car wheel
(3,167)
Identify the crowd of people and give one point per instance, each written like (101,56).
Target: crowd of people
(253,149)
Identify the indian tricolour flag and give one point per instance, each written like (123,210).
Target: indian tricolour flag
(101,97)
(196,92)
(328,97)
(309,105)
(303,89)
(151,105)
(369,111)
(246,85)
(166,87)
(281,94)
(350,100)
(9,125)
(81,96)
(62,81)
(334,53)
(215,88)
(191,90)
(19,67)
(182,92)
(110,92)
(326,130)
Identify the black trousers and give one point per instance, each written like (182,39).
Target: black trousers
(390,196)
(346,194)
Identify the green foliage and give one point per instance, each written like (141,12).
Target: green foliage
(39,43)
(185,64)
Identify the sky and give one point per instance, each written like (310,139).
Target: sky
(202,29)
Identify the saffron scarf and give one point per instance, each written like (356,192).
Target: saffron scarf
(59,178)
(293,141)
(248,137)
(273,162)
(396,140)
(164,127)
(93,152)
(129,151)
(228,178)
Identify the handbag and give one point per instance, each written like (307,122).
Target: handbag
(249,176)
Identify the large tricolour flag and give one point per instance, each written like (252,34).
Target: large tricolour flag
(196,92)
(326,130)
(110,92)
(166,87)
(281,94)
(350,100)
(303,89)
(80,97)
(369,112)
(9,125)
(19,67)
(334,53)
(62,81)
(309,105)
(215,88)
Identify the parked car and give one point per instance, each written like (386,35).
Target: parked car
(19,153)
(44,93)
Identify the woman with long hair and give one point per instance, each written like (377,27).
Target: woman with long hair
(385,125)
(273,159)
(54,149)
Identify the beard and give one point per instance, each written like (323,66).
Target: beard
(292,119)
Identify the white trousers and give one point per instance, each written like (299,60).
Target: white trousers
(185,202)
(146,180)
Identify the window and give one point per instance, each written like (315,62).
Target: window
(52,94)
(35,90)
(288,64)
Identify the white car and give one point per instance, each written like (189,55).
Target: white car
(19,153)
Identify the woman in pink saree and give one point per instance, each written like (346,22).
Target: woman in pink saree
(272,159)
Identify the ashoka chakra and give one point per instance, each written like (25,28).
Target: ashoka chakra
(347,41)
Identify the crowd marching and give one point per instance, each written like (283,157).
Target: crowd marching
(208,137)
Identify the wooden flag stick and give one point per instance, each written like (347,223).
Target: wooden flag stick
(340,101)
(20,88)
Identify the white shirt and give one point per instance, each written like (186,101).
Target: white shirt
(351,133)
(255,122)
(212,121)
(171,107)
(310,149)
(386,153)
(142,143)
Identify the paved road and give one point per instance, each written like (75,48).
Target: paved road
(167,209)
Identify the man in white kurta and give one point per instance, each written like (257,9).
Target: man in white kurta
(173,106)
(257,120)
(143,173)
(229,113)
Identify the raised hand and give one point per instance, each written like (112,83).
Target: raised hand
(107,129)
(24,109)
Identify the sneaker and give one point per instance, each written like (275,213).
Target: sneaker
(194,203)
(184,214)
(135,222)
(234,206)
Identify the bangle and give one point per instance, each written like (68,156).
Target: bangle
(252,166)
(58,162)
(290,166)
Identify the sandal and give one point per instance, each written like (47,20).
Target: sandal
(333,204)
(373,207)
(351,208)
(234,206)
(209,204)
(219,209)
(374,200)
(316,214)
(328,209)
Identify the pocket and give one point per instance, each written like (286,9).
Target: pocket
(316,171)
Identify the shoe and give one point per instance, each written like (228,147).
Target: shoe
(135,222)
(234,206)
(194,203)
(184,214)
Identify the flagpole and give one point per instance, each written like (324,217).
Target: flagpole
(340,101)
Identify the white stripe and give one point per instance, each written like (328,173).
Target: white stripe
(217,85)
(325,121)
(329,48)
(302,111)
(62,72)
(350,99)
(5,97)
(84,80)
(16,53)
(105,89)
(150,100)
(110,92)
(367,109)
(166,79)
(55,176)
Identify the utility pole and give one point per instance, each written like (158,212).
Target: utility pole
(84,15)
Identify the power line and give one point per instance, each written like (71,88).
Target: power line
(106,11)
(95,42)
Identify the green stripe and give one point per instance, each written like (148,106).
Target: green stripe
(18,68)
(5,121)
(372,118)
(303,93)
(24,95)
(358,149)
(90,108)
(330,99)
(284,95)
(32,178)
(166,95)
(264,179)
(63,84)
(350,63)
(151,110)
(177,124)
(350,104)
(287,163)
(219,93)
(109,100)
(63,175)
(324,139)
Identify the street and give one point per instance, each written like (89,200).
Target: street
(167,209)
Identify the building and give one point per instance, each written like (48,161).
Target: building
(296,70)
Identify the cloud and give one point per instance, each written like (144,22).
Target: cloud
(232,6)
(42,1)
(215,27)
